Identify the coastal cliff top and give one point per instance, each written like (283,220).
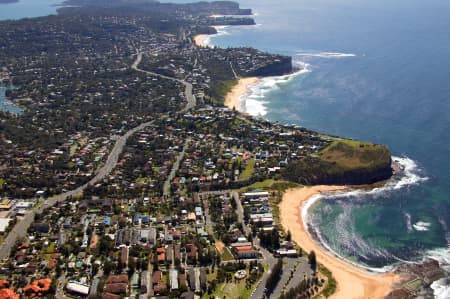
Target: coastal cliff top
(351,154)
(343,162)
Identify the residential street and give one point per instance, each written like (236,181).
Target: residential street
(175,167)
(20,229)
(190,98)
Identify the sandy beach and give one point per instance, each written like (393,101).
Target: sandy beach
(352,282)
(232,98)
(200,40)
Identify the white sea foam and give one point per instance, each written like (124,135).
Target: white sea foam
(221,30)
(408,222)
(254,103)
(325,54)
(306,219)
(422,226)
(442,255)
(410,176)
(441,288)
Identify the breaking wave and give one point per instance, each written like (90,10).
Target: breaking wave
(326,54)
(345,236)
(422,226)
(408,222)
(254,101)
(410,176)
(221,30)
(343,233)
(441,288)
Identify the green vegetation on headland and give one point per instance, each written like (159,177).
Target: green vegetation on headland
(343,162)
(220,90)
(92,74)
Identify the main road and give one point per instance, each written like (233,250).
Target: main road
(20,229)
(190,98)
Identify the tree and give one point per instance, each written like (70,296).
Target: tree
(288,236)
(107,267)
(312,260)
(274,277)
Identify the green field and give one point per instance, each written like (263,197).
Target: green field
(227,255)
(352,154)
(343,162)
(269,184)
(249,169)
(231,290)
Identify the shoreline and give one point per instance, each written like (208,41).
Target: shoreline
(200,40)
(233,97)
(352,281)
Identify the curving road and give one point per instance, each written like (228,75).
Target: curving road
(21,227)
(190,98)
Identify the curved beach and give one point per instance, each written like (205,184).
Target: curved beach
(200,40)
(232,99)
(352,282)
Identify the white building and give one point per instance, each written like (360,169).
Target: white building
(78,288)
(4,223)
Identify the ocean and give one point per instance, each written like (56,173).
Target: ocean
(376,71)
(28,9)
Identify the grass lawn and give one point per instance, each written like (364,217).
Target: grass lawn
(142,180)
(231,290)
(249,169)
(258,185)
(49,249)
(269,185)
(227,255)
(354,154)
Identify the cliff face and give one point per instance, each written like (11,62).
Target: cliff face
(278,67)
(226,21)
(343,163)
(227,8)
(308,174)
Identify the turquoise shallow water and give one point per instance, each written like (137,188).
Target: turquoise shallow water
(377,72)
(373,71)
